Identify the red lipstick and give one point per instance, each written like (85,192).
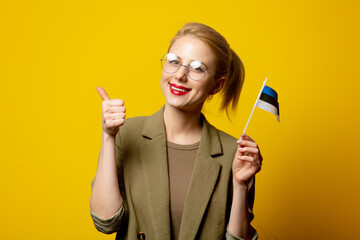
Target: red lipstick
(178,90)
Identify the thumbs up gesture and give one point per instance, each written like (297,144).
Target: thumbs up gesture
(113,113)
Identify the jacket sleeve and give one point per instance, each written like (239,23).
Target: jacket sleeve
(230,236)
(109,225)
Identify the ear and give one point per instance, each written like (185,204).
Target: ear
(218,86)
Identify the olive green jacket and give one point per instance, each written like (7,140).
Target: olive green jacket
(141,157)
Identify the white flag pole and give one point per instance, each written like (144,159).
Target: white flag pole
(255,105)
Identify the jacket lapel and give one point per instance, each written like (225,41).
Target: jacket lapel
(204,177)
(155,169)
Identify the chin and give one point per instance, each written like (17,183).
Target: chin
(184,106)
(176,104)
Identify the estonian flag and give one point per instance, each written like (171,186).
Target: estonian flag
(268,101)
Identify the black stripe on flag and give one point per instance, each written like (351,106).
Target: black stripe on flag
(269,99)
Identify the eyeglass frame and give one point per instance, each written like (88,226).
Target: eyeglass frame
(186,67)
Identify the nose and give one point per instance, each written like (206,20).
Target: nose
(181,74)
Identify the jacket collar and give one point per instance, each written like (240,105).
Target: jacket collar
(154,127)
(155,169)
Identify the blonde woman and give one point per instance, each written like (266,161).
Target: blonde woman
(173,175)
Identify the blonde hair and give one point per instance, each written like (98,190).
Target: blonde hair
(228,63)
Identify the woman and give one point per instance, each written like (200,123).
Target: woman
(173,175)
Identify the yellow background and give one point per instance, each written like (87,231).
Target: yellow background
(53,54)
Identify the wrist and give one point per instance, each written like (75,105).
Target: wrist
(108,136)
(243,186)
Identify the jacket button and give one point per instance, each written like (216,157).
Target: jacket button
(141,236)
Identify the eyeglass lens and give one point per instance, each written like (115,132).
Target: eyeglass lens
(170,63)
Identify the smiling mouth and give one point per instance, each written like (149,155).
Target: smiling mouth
(178,90)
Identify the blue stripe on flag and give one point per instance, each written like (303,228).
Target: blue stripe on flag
(270,91)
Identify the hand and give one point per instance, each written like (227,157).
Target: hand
(113,113)
(247,161)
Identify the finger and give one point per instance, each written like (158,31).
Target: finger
(119,122)
(246,137)
(107,105)
(109,109)
(113,102)
(248,143)
(113,123)
(246,158)
(248,149)
(117,116)
(103,93)
(111,116)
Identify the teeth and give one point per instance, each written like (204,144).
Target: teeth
(178,89)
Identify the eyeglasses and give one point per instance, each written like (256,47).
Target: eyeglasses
(196,70)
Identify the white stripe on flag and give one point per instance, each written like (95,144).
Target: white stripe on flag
(268,107)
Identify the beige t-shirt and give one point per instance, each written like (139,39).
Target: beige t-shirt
(181,159)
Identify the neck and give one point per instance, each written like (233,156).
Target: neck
(182,127)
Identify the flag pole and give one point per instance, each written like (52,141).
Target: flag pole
(255,105)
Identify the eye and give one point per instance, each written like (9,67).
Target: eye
(197,66)
(172,58)
(173,61)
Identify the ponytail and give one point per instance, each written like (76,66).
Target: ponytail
(233,84)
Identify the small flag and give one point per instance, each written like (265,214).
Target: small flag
(268,101)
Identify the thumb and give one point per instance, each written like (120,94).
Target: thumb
(103,93)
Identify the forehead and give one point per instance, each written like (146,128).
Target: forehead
(190,48)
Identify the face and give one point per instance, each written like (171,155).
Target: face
(182,92)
